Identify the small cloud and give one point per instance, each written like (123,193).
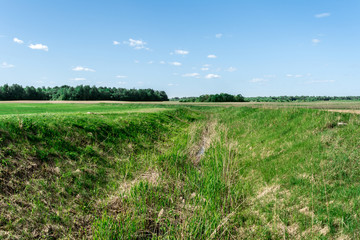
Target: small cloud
(191,75)
(18,41)
(315,41)
(270,76)
(39,46)
(6,65)
(136,44)
(258,80)
(173,84)
(150,62)
(136,61)
(231,69)
(219,35)
(211,56)
(175,63)
(121,76)
(294,75)
(206,65)
(78,79)
(322,15)
(181,52)
(116,43)
(321,81)
(211,75)
(205,69)
(121,83)
(162,62)
(85,69)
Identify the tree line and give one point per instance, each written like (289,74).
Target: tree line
(300,98)
(81,92)
(222,97)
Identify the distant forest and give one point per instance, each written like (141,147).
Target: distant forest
(300,98)
(17,92)
(224,97)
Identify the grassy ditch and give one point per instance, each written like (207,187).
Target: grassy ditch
(194,173)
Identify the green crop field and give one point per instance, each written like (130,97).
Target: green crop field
(179,171)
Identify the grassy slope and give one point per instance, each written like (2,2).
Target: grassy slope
(265,174)
(56,168)
(287,173)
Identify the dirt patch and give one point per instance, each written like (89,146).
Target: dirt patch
(316,230)
(307,212)
(265,191)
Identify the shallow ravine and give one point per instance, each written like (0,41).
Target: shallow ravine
(198,173)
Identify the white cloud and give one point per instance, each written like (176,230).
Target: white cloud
(39,46)
(321,81)
(258,80)
(162,62)
(219,35)
(181,52)
(6,65)
(136,61)
(175,63)
(150,62)
(270,76)
(205,69)
(191,75)
(136,44)
(121,76)
(78,79)
(294,75)
(206,65)
(211,56)
(85,69)
(315,41)
(211,75)
(116,43)
(322,15)
(122,83)
(231,69)
(18,40)
(173,84)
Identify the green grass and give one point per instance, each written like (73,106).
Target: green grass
(265,173)
(41,108)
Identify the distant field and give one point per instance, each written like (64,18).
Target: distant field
(33,108)
(21,107)
(179,171)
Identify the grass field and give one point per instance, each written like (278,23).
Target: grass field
(175,171)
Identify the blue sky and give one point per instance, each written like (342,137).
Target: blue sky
(187,48)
